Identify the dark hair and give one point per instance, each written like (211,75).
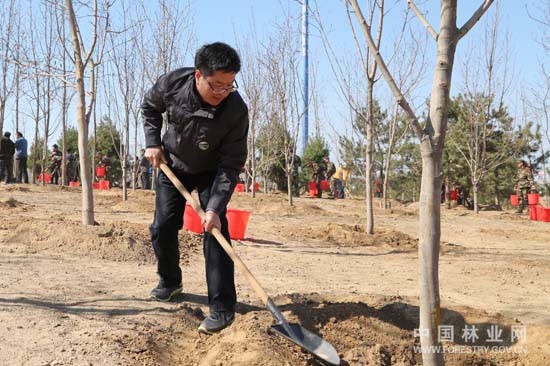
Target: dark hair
(217,56)
(7,134)
(55,145)
(18,133)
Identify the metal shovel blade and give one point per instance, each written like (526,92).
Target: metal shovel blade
(311,342)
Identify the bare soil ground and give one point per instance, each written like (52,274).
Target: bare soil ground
(74,295)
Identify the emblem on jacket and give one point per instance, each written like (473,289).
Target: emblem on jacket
(203,145)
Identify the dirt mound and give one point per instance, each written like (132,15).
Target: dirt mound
(353,235)
(10,202)
(118,241)
(283,209)
(363,334)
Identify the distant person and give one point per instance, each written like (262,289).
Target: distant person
(524,184)
(70,167)
(144,166)
(295,174)
(317,177)
(205,145)
(459,192)
(378,188)
(21,174)
(338,181)
(75,168)
(7,149)
(56,159)
(330,169)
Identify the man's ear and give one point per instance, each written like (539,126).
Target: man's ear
(198,74)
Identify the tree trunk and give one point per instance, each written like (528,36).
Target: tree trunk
(85,174)
(369,158)
(126,153)
(252,161)
(36,123)
(428,253)
(447,193)
(289,187)
(431,148)
(386,179)
(475,189)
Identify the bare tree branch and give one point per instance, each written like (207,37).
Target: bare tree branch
(384,69)
(423,19)
(474,19)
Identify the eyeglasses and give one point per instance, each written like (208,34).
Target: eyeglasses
(223,90)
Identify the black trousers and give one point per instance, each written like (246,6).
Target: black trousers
(169,208)
(145,180)
(6,168)
(21,170)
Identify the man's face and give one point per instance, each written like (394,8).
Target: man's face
(520,164)
(215,88)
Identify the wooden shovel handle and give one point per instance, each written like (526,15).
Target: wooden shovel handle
(218,235)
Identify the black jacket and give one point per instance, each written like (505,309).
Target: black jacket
(199,138)
(7,148)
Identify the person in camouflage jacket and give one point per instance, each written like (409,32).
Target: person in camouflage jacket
(524,184)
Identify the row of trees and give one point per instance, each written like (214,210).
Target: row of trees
(55,55)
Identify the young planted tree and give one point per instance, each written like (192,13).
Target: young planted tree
(375,10)
(358,90)
(254,94)
(65,97)
(124,88)
(48,49)
(7,75)
(283,92)
(432,142)
(480,112)
(478,140)
(166,40)
(541,92)
(82,59)
(34,79)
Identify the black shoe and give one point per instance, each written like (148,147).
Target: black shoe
(216,321)
(165,294)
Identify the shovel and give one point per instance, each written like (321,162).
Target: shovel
(309,341)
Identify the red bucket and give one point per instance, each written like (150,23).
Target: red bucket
(239,187)
(533,198)
(533,213)
(312,189)
(74,184)
(453,195)
(100,171)
(543,214)
(48,178)
(191,220)
(325,185)
(95,186)
(514,199)
(104,184)
(237,221)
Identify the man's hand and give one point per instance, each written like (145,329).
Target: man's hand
(212,221)
(155,156)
